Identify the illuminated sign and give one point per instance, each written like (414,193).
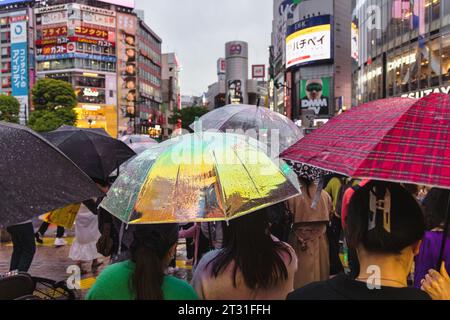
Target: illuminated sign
(92,32)
(372,74)
(54,32)
(76,55)
(91,92)
(404,60)
(309,41)
(258,71)
(423,93)
(19,66)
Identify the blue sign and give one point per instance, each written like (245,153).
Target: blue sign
(76,55)
(6,2)
(19,69)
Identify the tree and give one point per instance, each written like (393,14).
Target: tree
(9,109)
(54,101)
(187,116)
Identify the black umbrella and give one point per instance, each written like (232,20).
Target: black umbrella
(94,151)
(35,177)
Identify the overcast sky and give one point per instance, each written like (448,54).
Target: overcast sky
(198,29)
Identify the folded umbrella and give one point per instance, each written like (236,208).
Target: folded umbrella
(199,178)
(36,177)
(272,128)
(95,152)
(399,139)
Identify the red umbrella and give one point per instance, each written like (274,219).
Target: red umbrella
(398,139)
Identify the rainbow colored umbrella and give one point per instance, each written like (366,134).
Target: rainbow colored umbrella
(199,178)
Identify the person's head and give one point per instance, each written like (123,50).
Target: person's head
(130,69)
(130,84)
(153,248)
(411,188)
(385,221)
(248,244)
(129,39)
(314,89)
(435,205)
(130,54)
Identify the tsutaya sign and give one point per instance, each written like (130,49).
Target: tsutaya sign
(424,93)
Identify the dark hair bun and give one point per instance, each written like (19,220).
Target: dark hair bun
(407,224)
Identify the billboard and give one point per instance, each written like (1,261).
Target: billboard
(235,92)
(309,41)
(127,68)
(221,66)
(123,3)
(19,66)
(315,95)
(54,17)
(258,71)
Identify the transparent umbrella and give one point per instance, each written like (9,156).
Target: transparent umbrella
(272,128)
(199,178)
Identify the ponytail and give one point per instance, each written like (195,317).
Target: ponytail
(149,252)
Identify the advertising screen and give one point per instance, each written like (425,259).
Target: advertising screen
(315,95)
(309,41)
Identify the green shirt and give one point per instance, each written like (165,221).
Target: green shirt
(114,284)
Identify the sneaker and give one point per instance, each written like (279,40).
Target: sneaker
(38,238)
(60,242)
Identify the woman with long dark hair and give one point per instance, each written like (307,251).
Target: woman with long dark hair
(252,264)
(385,226)
(144,276)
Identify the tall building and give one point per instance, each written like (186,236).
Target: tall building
(318,61)
(102,48)
(234,86)
(17,71)
(149,79)
(283,15)
(171,93)
(400,48)
(80,44)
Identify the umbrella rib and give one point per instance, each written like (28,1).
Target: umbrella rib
(98,155)
(248,172)
(219,185)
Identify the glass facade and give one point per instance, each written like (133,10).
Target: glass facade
(403,48)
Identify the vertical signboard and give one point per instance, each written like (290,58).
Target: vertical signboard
(127,71)
(19,66)
(315,95)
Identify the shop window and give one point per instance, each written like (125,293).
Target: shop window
(5,37)
(434,48)
(445,57)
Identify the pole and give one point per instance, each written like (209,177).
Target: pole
(444,237)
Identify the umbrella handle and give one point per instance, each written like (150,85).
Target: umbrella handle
(444,237)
